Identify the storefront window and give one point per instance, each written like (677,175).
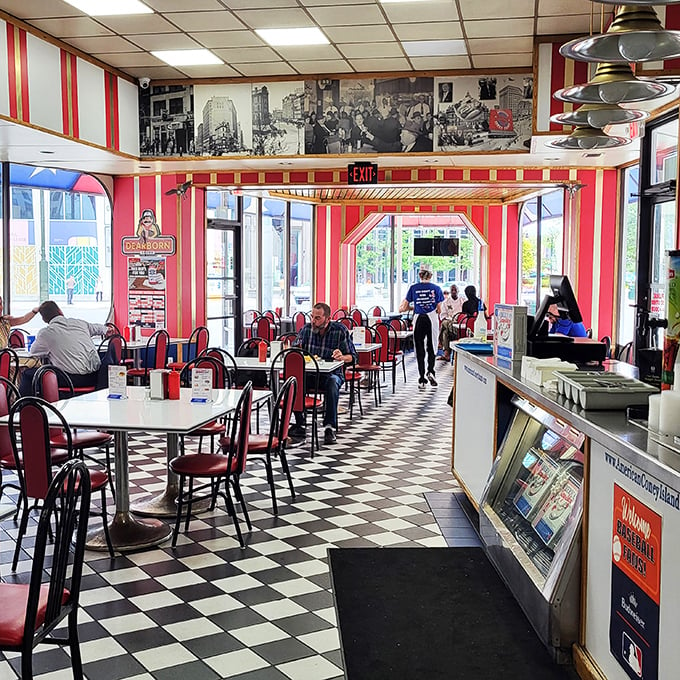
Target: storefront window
(373,268)
(663,239)
(251,249)
(301,259)
(628,259)
(273,254)
(664,152)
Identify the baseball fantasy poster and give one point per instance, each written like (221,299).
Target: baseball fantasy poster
(636,584)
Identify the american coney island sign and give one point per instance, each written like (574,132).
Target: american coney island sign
(158,245)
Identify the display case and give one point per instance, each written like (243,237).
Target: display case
(530,519)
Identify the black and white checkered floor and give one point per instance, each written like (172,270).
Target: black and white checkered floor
(211,610)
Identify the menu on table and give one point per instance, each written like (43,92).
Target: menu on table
(201,384)
(117,382)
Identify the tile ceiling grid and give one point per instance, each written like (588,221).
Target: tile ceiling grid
(366,36)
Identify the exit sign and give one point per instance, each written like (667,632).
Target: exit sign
(362,173)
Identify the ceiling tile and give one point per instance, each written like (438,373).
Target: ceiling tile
(275,68)
(440,63)
(473,9)
(212,71)
(247,54)
(164,41)
(275,18)
(261,4)
(137,23)
(125,59)
(112,43)
(368,65)
(308,52)
(500,45)
(436,30)
(339,16)
(499,27)
(418,12)
(154,72)
(367,34)
(182,6)
(217,39)
(363,50)
(205,21)
(70,28)
(38,9)
(509,60)
(324,3)
(565,7)
(321,67)
(555,25)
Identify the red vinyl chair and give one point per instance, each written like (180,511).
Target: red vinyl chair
(389,353)
(31,612)
(9,364)
(359,316)
(263,327)
(219,472)
(198,342)
(29,432)
(369,366)
(17,338)
(339,314)
(158,343)
(299,320)
(348,322)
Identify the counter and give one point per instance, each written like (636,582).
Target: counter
(630,523)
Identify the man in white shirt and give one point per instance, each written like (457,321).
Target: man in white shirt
(451,307)
(67,344)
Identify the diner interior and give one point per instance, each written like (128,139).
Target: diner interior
(236,148)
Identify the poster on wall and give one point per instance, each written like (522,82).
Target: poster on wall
(146,292)
(277,120)
(487,113)
(635,586)
(166,120)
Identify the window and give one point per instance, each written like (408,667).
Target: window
(274,216)
(22,203)
(374,265)
(664,152)
(301,257)
(176,105)
(251,250)
(629,255)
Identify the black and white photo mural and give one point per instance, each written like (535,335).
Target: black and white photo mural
(166,120)
(464,114)
(278,120)
(483,113)
(223,120)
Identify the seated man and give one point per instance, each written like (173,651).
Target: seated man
(330,341)
(564,325)
(450,309)
(67,344)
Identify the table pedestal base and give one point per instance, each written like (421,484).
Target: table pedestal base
(128,534)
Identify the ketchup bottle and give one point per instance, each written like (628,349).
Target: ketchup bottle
(173,385)
(262,351)
(126,333)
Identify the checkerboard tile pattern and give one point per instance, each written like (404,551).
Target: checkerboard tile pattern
(212,610)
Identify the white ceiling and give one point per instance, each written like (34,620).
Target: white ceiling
(365,35)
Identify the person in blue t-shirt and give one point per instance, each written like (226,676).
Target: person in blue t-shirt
(564,325)
(426,299)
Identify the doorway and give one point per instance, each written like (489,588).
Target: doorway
(223,253)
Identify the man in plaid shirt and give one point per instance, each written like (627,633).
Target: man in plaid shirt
(330,341)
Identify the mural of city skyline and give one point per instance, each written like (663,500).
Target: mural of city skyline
(339,116)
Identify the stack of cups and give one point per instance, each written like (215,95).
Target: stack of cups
(669,410)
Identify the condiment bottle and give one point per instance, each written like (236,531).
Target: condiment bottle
(126,333)
(173,385)
(262,351)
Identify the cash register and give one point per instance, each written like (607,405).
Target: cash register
(541,344)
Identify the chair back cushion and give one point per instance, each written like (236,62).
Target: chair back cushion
(238,451)
(284,403)
(16,339)
(9,363)
(294,366)
(162,341)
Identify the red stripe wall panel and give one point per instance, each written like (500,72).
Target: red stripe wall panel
(584,286)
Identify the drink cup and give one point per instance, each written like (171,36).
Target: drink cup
(29,341)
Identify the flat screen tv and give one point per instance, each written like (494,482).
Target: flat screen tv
(435,247)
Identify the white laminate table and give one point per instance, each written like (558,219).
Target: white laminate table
(252,363)
(121,416)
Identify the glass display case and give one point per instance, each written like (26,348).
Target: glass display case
(530,518)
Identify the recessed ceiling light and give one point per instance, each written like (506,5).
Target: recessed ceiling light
(390,2)
(285,163)
(278,37)
(432,160)
(46,151)
(101,8)
(187,57)
(434,48)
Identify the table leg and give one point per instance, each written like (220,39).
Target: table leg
(163,505)
(127,532)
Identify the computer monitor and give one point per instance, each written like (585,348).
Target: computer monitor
(562,296)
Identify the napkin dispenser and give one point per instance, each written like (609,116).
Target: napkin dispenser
(158,382)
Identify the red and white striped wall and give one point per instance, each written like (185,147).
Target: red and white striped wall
(52,89)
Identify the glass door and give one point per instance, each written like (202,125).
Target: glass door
(223,251)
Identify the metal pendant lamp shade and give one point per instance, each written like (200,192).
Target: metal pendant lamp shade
(635,35)
(599,115)
(585,138)
(613,84)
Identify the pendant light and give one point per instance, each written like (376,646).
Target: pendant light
(613,84)
(588,138)
(635,35)
(599,115)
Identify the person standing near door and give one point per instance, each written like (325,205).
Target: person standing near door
(426,298)
(70,288)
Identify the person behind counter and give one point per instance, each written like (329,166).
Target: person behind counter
(7,321)
(67,344)
(471,304)
(330,341)
(564,325)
